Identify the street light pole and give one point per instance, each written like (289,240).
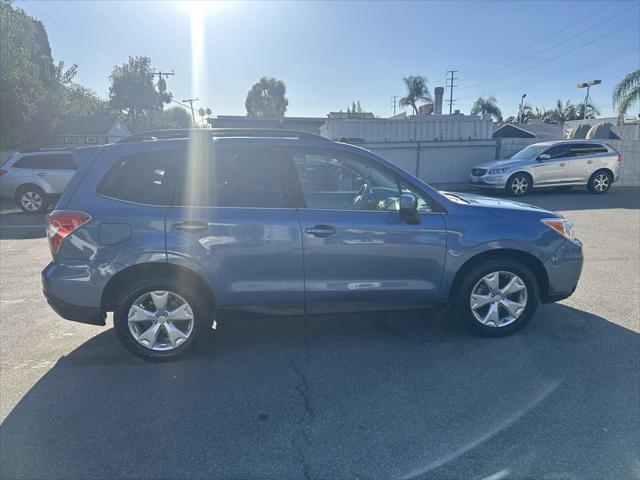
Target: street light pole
(520,115)
(586,98)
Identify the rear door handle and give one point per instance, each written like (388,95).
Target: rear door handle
(41,174)
(589,162)
(563,164)
(321,230)
(191,226)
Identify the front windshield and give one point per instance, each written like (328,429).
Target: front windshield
(532,151)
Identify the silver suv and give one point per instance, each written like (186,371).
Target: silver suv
(562,164)
(35,179)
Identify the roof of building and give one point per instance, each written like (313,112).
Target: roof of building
(89,125)
(511,131)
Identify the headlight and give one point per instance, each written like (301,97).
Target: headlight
(498,171)
(561,225)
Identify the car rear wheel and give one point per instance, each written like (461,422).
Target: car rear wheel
(31,199)
(518,184)
(159,320)
(496,298)
(600,182)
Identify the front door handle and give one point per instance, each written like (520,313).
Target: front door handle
(191,226)
(321,230)
(589,162)
(41,174)
(563,164)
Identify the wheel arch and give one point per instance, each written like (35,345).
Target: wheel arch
(25,186)
(602,169)
(530,261)
(116,285)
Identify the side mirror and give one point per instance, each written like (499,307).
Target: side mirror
(544,156)
(409,208)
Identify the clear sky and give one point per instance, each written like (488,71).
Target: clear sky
(332,53)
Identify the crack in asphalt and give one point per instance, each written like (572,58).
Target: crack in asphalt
(300,440)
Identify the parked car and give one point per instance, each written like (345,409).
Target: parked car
(170,233)
(562,164)
(35,179)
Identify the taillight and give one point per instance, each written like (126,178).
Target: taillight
(61,223)
(617,152)
(3,172)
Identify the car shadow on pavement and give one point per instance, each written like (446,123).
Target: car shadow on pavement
(402,395)
(19,225)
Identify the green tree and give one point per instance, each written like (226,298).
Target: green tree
(591,109)
(80,100)
(132,91)
(417,90)
(267,98)
(627,92)
(487,106)
(32,85)
(173,117)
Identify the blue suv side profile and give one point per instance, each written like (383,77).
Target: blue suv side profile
(168,230)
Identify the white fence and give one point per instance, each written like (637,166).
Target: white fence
(426,128)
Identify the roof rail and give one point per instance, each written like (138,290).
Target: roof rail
(220,132)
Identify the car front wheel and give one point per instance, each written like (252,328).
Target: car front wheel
(518,184)
(159,320)
(497,297)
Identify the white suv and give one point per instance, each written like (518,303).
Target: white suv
(562,164)
(35,179)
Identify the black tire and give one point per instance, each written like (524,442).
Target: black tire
(461,308)
(519,184)
(28,195)
(600,182)
(199,307)
(565,188)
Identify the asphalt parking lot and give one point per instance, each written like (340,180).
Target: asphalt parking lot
(346,396)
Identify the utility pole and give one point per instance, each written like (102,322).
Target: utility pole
(394,102)
(521,110)
(190,102)
(451,85)
(586,98)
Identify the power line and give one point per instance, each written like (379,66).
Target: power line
(560,55)
(528,57)
(451,85)
(546,37)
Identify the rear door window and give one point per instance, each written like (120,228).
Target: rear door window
(58,161)
(239,176)
(147,178)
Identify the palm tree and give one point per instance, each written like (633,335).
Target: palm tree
(530,113)
(564,111)
(487,106)
(627,92)
(591,109)
(416,90)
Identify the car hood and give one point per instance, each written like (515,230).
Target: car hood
(508,162)
(501,206)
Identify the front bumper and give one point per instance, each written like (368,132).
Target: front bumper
(563,271)
(489,181)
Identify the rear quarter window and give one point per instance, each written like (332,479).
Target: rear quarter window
(148,177)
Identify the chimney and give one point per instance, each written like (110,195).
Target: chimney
(437,109)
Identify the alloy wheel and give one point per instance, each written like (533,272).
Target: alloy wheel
(31,201)
(498,299)
(519,185)
(601,182)
(160,320)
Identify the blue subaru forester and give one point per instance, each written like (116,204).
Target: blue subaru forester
(170,229)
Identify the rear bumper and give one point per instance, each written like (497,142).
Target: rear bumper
(74,289)
(76,313)
(563,271)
